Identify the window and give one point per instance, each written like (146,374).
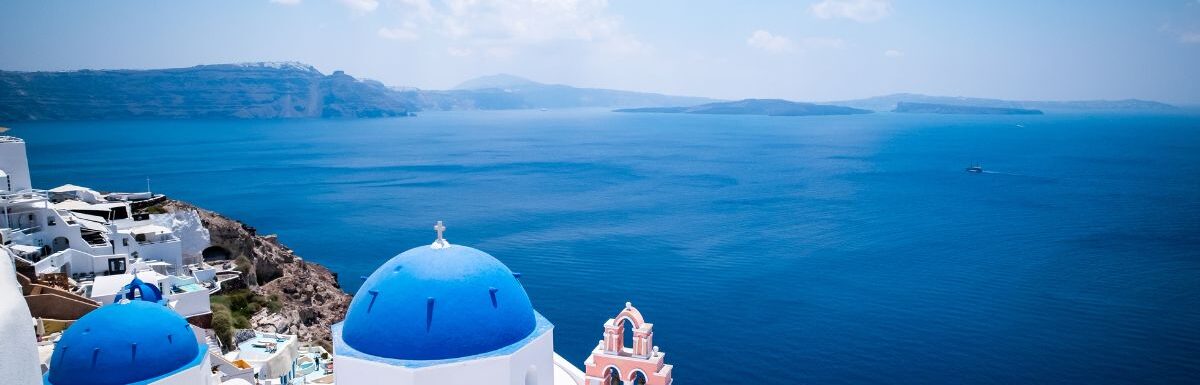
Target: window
(531,375)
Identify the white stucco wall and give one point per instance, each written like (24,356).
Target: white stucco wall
(197,375)
(14,162)
(19,357)
(186,225)
(535,359)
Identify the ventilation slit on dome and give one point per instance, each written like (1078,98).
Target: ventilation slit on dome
(95,355)
(373,294)
(492,292)
(170,340)
(133,356)
(428,313)
(60,356)
(398,268)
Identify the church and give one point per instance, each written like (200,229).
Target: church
(437,314)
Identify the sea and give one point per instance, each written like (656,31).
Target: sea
(765,250)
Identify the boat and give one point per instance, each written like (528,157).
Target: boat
(976,168)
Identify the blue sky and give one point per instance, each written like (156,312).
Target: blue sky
(809,50)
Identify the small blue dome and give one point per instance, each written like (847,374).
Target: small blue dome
(124,344)
(438,303)
(137,289)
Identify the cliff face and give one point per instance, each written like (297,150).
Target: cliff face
(312,300)
(225,91)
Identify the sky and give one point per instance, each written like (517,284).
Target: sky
(806,50)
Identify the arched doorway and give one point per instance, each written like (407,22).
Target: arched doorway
(60,244)
(215,253)
(612,377)
(638,378)
(627,333)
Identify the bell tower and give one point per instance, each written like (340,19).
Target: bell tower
(613,363)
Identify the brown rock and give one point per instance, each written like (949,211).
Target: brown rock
(312,300)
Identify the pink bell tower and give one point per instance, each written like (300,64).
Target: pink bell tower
(612,363)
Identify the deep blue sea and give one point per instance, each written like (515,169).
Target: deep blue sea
(781,250)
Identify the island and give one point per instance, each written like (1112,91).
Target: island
(769,107)
(932,108)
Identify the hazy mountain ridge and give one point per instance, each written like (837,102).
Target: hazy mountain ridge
(222,91)
(890,102)
(930,108)
(503,91)
(769,107)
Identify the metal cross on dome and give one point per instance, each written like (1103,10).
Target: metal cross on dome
(441,241)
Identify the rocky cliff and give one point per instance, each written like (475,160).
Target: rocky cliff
(223,91)
(312,300)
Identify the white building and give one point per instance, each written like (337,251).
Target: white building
(446,314)
(184,294)
(106,237)
(19,361)
(14,165)
(136,342)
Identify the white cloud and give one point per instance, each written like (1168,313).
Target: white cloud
(361,5)
(769,42)
(1190,38)
(460,52)
(893,53)
(822,42)
(407,33)
(503,28)
(286,2)
(862,11)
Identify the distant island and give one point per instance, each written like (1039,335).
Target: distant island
(769,107)
(931,108)
(891,102)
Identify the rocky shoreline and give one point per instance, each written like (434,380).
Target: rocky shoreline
(311,297)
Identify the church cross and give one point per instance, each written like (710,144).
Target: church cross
(441,240)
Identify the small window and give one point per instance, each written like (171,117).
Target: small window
(531,375)
(125,242)
(50,221)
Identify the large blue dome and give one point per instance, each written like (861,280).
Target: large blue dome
(438,303)
(128,343)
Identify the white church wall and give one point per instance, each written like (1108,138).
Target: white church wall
(510,369)
(19,361)
(197,375)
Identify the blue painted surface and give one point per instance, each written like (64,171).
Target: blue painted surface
(132,343)
(433,304)
(136,289)
(825,250)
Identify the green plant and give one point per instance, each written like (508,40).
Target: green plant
(243,264)
(222,324)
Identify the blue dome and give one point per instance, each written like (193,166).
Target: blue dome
(137,289)
(124,344)
(431,304)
